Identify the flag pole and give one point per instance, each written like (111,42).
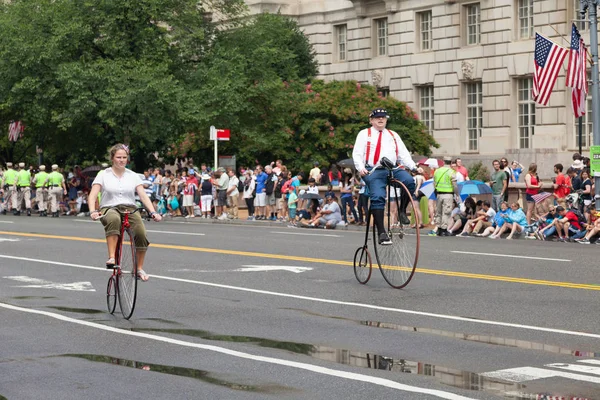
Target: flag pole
(590,6)
(580,128)
(587,52)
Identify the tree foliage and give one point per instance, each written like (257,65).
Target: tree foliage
(86,73)
(83,74)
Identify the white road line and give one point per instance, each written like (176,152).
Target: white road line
(86,221)
(524,374)
(586,369)
(6,222)
(270,360)
(178,233)
(337,302)
(596,362)
(306,234)
(511,256)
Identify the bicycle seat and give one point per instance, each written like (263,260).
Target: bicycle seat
(386,163)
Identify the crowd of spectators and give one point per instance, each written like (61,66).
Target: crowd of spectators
(560,210)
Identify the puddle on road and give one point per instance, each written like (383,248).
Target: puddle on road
(164,321)
(485,339)
(78,310)
(300,348)
(201,375)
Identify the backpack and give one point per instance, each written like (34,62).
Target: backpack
(580,217)
(240,186)
(269,185)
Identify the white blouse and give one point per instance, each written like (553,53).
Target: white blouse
(117,191)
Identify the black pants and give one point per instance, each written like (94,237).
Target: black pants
(250,205)
(363,207)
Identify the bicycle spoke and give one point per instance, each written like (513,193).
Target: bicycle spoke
(398,260)
(127,284)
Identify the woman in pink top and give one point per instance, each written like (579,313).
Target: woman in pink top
(533,185)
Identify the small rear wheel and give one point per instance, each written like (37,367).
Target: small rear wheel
(111,294)
(362,265)
(127,281)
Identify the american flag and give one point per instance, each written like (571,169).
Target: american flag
(549,58)
(576,74)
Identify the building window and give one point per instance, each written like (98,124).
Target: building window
(341,42)
(526,107)
(383,91)
(473,13)
(474,115)
(381,25)
(424,21)
(586,120)
(426,106)
(525,18)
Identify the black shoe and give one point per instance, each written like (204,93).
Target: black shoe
(17,213)
(384,239)
(403,218)
(445,233)
(29,212)
(3,212)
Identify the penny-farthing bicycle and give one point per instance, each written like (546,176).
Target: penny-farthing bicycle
(397,261)
(122,284)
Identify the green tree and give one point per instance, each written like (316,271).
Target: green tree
(84,74)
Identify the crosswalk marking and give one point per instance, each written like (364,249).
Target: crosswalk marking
(587,369)
(524,374)
(597,362)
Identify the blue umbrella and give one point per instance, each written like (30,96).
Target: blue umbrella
(427,189)
(467,188)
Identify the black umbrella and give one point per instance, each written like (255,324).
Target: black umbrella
(347,163)
(310,196)
(91,171)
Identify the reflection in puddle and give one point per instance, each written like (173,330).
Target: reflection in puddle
(486,339)
(165,321)
(29,298)
(204,376)
(78,310)
(300,348)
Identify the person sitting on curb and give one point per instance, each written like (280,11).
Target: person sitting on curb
(329,216)
(500,219)
(567,224)
(593,229)
(483,219)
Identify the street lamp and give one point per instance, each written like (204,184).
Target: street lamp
(591,7)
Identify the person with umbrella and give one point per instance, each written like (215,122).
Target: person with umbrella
(371,145)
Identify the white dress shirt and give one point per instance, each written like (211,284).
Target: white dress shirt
(391,145)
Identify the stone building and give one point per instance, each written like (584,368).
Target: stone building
(465,67)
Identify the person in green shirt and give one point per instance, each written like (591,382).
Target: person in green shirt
(57,189)
(499,184)
(9,184)
(23,189)
(444,180)
(41,190)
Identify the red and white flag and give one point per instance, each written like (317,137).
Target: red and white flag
(549,57)
(576,73)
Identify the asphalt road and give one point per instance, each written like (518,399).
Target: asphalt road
(266,311)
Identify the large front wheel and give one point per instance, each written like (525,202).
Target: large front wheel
(127,277)
(397,261)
